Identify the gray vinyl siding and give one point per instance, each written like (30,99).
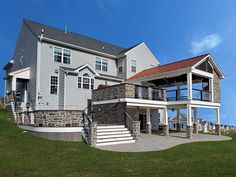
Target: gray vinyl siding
(143,57)
(61,88)
(73,98)
(26,46)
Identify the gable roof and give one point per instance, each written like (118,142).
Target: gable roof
(73,38)
(186,63)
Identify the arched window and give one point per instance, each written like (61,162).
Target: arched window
(86,82)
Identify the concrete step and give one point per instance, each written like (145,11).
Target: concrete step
(113,133)
(112,130)
(110,126)
(114,139)
(113,136)
(115,142)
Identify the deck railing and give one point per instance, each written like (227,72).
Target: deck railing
(182,95)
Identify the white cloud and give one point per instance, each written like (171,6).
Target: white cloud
(206,43)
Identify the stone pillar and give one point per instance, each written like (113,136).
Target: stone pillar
(189,128)
(148,121)
(136,130)
(189,132)
(165,123)
(195,124)
(217,129)
(149,128)
(178,127)
(165,130)
(92,133)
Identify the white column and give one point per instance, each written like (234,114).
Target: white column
(211,89)
(195,115)
(218,116)
(189,81)
(189,116)
(148,114)
(13,83)
(165,116)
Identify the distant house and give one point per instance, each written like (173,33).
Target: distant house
(173,122)
(203,126)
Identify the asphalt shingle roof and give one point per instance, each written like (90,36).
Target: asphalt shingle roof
(73,38)
(186,63)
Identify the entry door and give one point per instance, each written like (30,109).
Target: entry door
(142,119)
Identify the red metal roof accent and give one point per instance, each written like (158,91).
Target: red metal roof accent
(186,63)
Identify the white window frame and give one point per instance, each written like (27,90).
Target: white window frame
(135,66)
(50,78)
(62,55)
(102,61)
(91,79)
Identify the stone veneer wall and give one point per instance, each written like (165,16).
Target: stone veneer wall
(58,118)
(216,88)
(114,92)
(112,113)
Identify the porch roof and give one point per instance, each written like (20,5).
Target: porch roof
(183,64)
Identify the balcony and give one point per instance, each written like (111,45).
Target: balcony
(148,93)
(182,95)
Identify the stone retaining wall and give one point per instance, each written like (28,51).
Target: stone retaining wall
(216,88)
(58,118)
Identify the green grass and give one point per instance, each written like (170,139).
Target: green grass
(22,154)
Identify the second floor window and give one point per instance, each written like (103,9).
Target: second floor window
(85,82)
(53,85)
(133,66)
(62,55)
(120,66)
(101,64)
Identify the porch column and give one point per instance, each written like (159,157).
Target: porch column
(217,127)
(195,124)
(13,83)
(189,81)
(148,121)
(189,128)
(178,127)
(165,123)
(211,89)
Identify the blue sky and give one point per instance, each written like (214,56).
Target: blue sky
(172,29)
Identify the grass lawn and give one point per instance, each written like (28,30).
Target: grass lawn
(22,154)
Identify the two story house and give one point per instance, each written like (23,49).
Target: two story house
(58,78)
(53,71)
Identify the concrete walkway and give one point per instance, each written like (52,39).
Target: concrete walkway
(156,142)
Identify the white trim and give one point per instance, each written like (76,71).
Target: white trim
(202,73)
(77,47)
(218,116)
(214,65)
(39,44)
(189,115)
(89,67)
(19,71)
(189,84)
(52,129)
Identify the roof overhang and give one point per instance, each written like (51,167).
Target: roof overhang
(21,73)
(10,63)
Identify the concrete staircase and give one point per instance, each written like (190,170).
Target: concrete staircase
(111,135)
(13,110)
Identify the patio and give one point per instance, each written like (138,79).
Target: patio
(156,142)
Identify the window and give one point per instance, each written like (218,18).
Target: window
(58,53)
(66,56)
(53,84)
(85,82)
(133,66)
(101,64)
(104,65)
(174,125)
(120,66)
